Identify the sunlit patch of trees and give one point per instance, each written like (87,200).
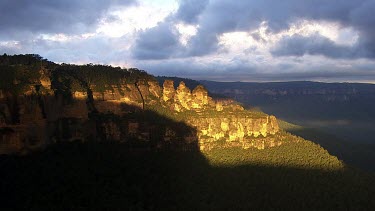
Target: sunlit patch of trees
(294,153)
(26,68)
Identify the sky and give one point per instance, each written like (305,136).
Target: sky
(221,40)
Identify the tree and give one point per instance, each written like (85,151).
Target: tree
(137,76)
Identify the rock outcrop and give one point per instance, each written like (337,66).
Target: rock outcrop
(233,127)
(168,90)
(238,127)
(200,98)
(49,111)
(183,98)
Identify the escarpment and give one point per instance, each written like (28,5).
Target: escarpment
(40,105)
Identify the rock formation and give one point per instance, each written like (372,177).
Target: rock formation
(183,98)
(49,111)
(200,97)
(168,90)
(238,127)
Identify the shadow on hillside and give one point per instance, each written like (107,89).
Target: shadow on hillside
(99,176)
(360,155)
(67,121)
(166,174)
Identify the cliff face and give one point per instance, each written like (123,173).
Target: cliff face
(48,110)
(236,128)
(219,121)
(24,119)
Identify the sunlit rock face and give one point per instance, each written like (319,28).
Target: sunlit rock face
(238,128)
(111,100)
(183,97)
(45,79)
(45,113)
(168,90)
(219,106)
(200,97)
(155,89)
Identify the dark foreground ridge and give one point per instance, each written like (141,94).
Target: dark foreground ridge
(97,176)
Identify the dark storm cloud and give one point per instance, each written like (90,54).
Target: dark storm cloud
(22,17)
(221,16)
(298,45)
(159,42)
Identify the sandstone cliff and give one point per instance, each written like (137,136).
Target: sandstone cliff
(66,104)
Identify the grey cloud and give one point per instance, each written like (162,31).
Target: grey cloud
(159,51)
(189,10)
(159,42)
(363,19)
(298,45)
(58,16)
(256,36)
(203,43)
(221,16)
(277,14)
(162,41)
(218,18)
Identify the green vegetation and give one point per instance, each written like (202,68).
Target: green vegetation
(355,154)
(25,70)
(17,79)
(110,176)
(100,77)
(294,153)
